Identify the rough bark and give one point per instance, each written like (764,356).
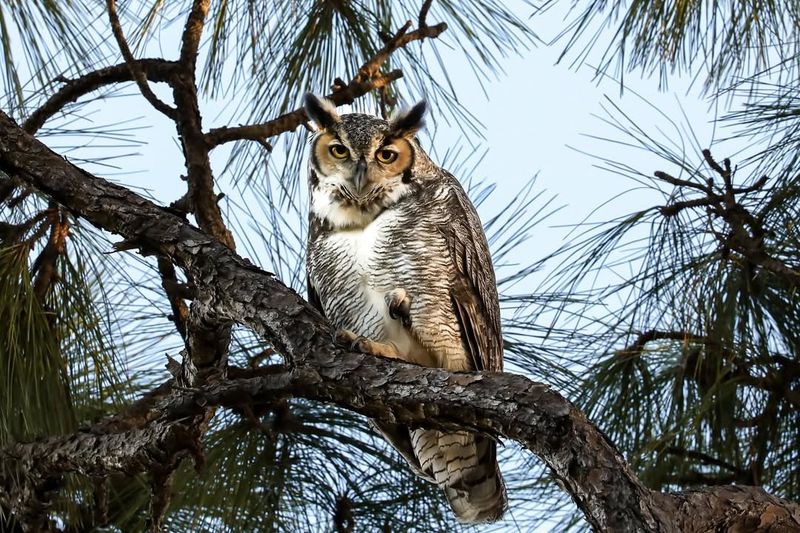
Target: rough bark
(230,289)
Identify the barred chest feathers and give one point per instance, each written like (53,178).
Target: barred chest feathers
(355,269)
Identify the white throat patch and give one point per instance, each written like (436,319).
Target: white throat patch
(340,216)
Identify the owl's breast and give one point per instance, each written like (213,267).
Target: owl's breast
(354,270)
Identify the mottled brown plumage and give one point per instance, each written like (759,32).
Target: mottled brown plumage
(397,259)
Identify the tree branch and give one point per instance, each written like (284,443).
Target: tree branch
(192,32)
(366,79)
(233,290)
(745,233)
(158,70)
(423,14)
(190,129)
(137,74)
(638,345)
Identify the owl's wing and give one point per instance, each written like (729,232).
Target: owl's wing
(474,291)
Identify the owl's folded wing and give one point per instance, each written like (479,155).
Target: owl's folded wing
(474,291)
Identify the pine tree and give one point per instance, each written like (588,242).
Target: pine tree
(259,423)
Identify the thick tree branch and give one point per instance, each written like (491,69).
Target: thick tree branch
(232,290)
(366,79)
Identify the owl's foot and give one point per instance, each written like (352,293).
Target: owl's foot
(399,302)
(361,344)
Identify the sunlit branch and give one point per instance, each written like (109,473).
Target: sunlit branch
(44,267)
(192,32)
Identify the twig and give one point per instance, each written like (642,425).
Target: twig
(744,233)
(704,458)
(138,75)
(646,337)
(758,184)
(670,210)
(423,14)
(663,176)
(725,173)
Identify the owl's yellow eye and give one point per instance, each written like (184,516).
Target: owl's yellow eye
(386,156)
(338,151)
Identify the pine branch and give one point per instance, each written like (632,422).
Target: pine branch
(231,289)
(745,233)
(137,74)
(199,176)
(157,70)
(422,21)
(45,265)
(192,32)
(366,79)
(644,338)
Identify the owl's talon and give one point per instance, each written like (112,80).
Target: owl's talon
(357,343)
(353,342)
(399,302)
(347,338)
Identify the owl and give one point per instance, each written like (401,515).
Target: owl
(397,260)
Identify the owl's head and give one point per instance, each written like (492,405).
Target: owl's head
(359,164)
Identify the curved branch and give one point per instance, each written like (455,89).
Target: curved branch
(290,121)
(138,75)
(158,70)
(589,467)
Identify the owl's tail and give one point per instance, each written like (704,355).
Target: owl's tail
(464,464)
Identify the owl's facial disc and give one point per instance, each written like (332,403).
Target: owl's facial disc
(362,171)
(360,165)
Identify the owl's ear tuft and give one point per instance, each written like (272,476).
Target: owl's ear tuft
(320,110)
(409,121)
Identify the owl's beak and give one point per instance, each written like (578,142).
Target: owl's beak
(360,175)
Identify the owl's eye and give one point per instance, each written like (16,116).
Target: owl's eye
(338,151)
(386,156)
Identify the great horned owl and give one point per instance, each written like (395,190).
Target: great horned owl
(398,261)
